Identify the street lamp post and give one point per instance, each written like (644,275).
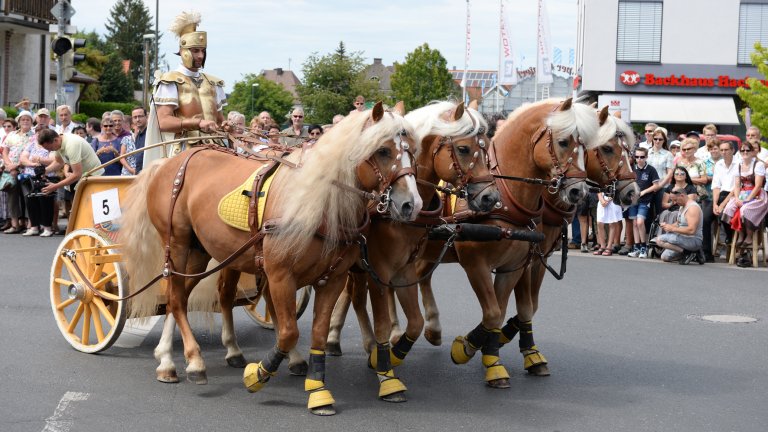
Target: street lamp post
(254,86)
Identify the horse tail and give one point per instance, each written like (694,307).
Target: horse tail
(142,247)
(204,299)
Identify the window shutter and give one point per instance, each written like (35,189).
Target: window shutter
(639,34)
(753,27)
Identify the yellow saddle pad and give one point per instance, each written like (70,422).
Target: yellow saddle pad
(233,207)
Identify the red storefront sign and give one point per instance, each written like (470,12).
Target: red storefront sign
(631,78)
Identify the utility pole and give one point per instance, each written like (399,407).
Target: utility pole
(148,38)
(63,11)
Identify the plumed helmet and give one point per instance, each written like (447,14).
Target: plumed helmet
(184,26)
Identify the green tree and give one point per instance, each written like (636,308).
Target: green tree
(128,22)
(331,83)
(96,56)
(115,85)
(756,96)
(267,96)
(422,78)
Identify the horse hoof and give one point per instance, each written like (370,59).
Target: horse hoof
(395,397)
(298,369)
(539,370)
(327,410)
(333,349)
(459,353)
(499,383)
(199,378)
(237,361)
(433,337)
(168,377)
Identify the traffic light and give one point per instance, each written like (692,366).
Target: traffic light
(64,47)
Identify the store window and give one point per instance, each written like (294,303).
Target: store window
(753,27)
(639,31)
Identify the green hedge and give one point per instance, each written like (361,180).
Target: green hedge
(80,118)
(96,109)
(11,111)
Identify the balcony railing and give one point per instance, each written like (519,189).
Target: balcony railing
(33,9)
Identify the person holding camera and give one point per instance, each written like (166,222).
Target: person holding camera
(33,179)
(72,150)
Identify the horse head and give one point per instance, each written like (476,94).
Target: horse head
(559,149)
(390,170)
(456,151)
(609,163)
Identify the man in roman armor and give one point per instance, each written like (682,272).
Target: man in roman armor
(187,102)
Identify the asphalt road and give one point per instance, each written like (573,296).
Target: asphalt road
(626,349)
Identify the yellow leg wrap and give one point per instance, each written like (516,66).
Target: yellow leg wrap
(388,384)
(532,357)
(393,359)
(320,398)
(312,384)
(255,377)
(503,339)
(493,369)
(458,353)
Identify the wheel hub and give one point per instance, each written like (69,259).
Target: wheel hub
(78,291)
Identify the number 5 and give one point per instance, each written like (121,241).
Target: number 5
(105,206)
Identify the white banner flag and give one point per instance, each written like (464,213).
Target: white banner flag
(507,67)
(544,42)
(467,52)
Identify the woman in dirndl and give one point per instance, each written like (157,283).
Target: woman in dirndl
(608,213)
(750,205)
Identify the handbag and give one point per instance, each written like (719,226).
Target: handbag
(7,182)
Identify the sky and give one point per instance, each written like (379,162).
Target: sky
(248,36)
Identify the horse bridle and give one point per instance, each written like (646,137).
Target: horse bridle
(386,183)
(612,175)
(466,177)
(562,173)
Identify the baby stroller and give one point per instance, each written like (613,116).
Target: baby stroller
(667,216)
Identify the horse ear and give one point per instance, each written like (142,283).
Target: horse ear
(378,112)
(566,105)
(473,104)
(603,115)
(399,108)
(617,114)
(593,105)
(458,112)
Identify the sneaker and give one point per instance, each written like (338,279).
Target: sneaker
(643,253)
(635,252)
(46,233)
(12,230)
(31,232)
(625,250)
(584,248)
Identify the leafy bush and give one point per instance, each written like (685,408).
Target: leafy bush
(96,109)
(11,111)
(80,118)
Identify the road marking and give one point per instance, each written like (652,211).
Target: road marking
(723,318)
(134,332)
(55,423)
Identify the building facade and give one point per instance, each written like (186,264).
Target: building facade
(673,62)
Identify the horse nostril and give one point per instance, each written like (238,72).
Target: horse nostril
(407,209)
(575,194)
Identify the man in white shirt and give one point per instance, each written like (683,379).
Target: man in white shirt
(65,123)
(710,132)
(726,171)
(649,128)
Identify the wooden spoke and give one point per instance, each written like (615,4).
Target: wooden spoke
(78,256)
(65,282)
(86,326)
(104,310)
(63,305)
(97,322)
(71,268)
(75,318)
(103,281)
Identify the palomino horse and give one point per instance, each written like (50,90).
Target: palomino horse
(313,219)
(539,141)
(454,150)
(610,167)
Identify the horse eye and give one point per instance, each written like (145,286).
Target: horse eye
(564,143)
(463,150)
(607,149)
(383,151)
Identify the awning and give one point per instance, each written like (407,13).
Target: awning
(684,109)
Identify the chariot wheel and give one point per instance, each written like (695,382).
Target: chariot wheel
(258,311)
(87,321)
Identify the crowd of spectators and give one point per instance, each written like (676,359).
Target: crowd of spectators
(690,187)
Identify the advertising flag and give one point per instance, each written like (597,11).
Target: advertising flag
(544,43)
(507,67)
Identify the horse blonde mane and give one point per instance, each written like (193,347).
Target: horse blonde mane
(608,130)
(142,246)
(313,199)
(579,121)
(428,120)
